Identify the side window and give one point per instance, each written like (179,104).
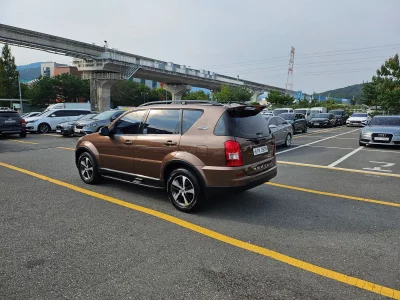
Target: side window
(71,113)
(222,126)
(130,123)
(162,121)
(81,112)
(280,121)
(272,121)
(58,113)
(189,117)
(116,115)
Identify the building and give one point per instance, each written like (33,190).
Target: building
(51,69)
(150,83)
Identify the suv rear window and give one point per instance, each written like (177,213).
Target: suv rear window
(8,114)
(242,123)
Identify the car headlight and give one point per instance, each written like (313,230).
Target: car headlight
(397,133)
(91,125)
(68,126)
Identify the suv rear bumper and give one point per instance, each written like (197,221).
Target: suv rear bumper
(243,184)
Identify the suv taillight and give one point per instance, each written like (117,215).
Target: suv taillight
(23,122)
(233,154)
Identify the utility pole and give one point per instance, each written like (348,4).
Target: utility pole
(20,95)
(289,81)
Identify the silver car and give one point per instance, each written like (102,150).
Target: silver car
(381,130)
(281,130)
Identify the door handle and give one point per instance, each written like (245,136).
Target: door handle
(128,142)
(171,143)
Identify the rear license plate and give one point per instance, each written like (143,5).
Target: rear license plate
(260,150)
(58,131)
(381,139)
(9,121)
(316,124)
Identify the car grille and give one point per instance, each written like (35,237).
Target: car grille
(386,135)
(357,122)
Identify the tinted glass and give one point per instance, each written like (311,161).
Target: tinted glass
(130,123)
(162,121)
(242,124)
(72,113)
(272,121)
(190,117)
(280,121)
(287,116)
(337,112)
(322,116)
(58,113)
(385,121)
(359,115)
(106,115)
(303,111)
(279,111)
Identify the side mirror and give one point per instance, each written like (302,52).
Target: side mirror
(272,126)
(104,131)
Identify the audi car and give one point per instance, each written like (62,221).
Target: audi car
(381,130)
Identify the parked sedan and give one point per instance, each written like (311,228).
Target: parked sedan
(298,121)
(95,124)
(323,120)
(381,130)
(281,130)
(358,119)
(67,128)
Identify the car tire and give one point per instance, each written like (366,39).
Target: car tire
(88,169)
(288,140)
(362,144)
(22,135)
(44,128)
(304,129)
(183,180)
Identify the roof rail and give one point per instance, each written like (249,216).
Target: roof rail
(182,102)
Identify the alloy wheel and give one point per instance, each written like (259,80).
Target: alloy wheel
(182,190)
(86,168)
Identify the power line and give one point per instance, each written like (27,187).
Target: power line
(309,55)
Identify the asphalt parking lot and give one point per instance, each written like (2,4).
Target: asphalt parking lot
(327,227)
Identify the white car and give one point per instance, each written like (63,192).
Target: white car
(48,120)
(267,113)
(358,119)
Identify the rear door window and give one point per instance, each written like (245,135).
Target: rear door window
(280,121)
(162,121)
(189,117)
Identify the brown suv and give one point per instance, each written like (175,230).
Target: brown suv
(193,149)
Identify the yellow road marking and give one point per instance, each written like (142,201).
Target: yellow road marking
(333,194)
(56,135)
(353,281)
(18,141)
(337,169)
(66,148)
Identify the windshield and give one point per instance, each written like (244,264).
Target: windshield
(385,121)
(301,111)
(279,111)
(322,116)
(359,115)
(86,117)
(336,112)
(105,115)
(287,116)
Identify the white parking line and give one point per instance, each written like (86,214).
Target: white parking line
(305,145)
(346,138)
(345,157)
(332,147)
(377,150)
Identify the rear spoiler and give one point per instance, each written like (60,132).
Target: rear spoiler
(245,110)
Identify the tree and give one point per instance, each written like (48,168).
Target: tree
(387,81)
(70,88)
(279,99)
(234,94)
(369,94)
(8,75)
(43,91)
(196,95)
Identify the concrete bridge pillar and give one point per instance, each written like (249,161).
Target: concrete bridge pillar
(177,90)
(256,93)
(100,91)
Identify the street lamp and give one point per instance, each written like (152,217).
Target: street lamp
(20,95)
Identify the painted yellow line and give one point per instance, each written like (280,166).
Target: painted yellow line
(18,141)
(66,148)
(337,169)
(56,135)
(333,194)
(353,281)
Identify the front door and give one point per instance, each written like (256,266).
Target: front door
(116,151)
(160,139)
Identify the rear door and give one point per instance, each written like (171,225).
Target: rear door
(10,121)
(282,129)
(57,117)
(160,138)
(251,131)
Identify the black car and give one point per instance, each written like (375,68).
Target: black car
(298,121)
(323,120)
(341,116)
(67,128)
(12,123)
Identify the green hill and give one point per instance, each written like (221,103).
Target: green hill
(347,92)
